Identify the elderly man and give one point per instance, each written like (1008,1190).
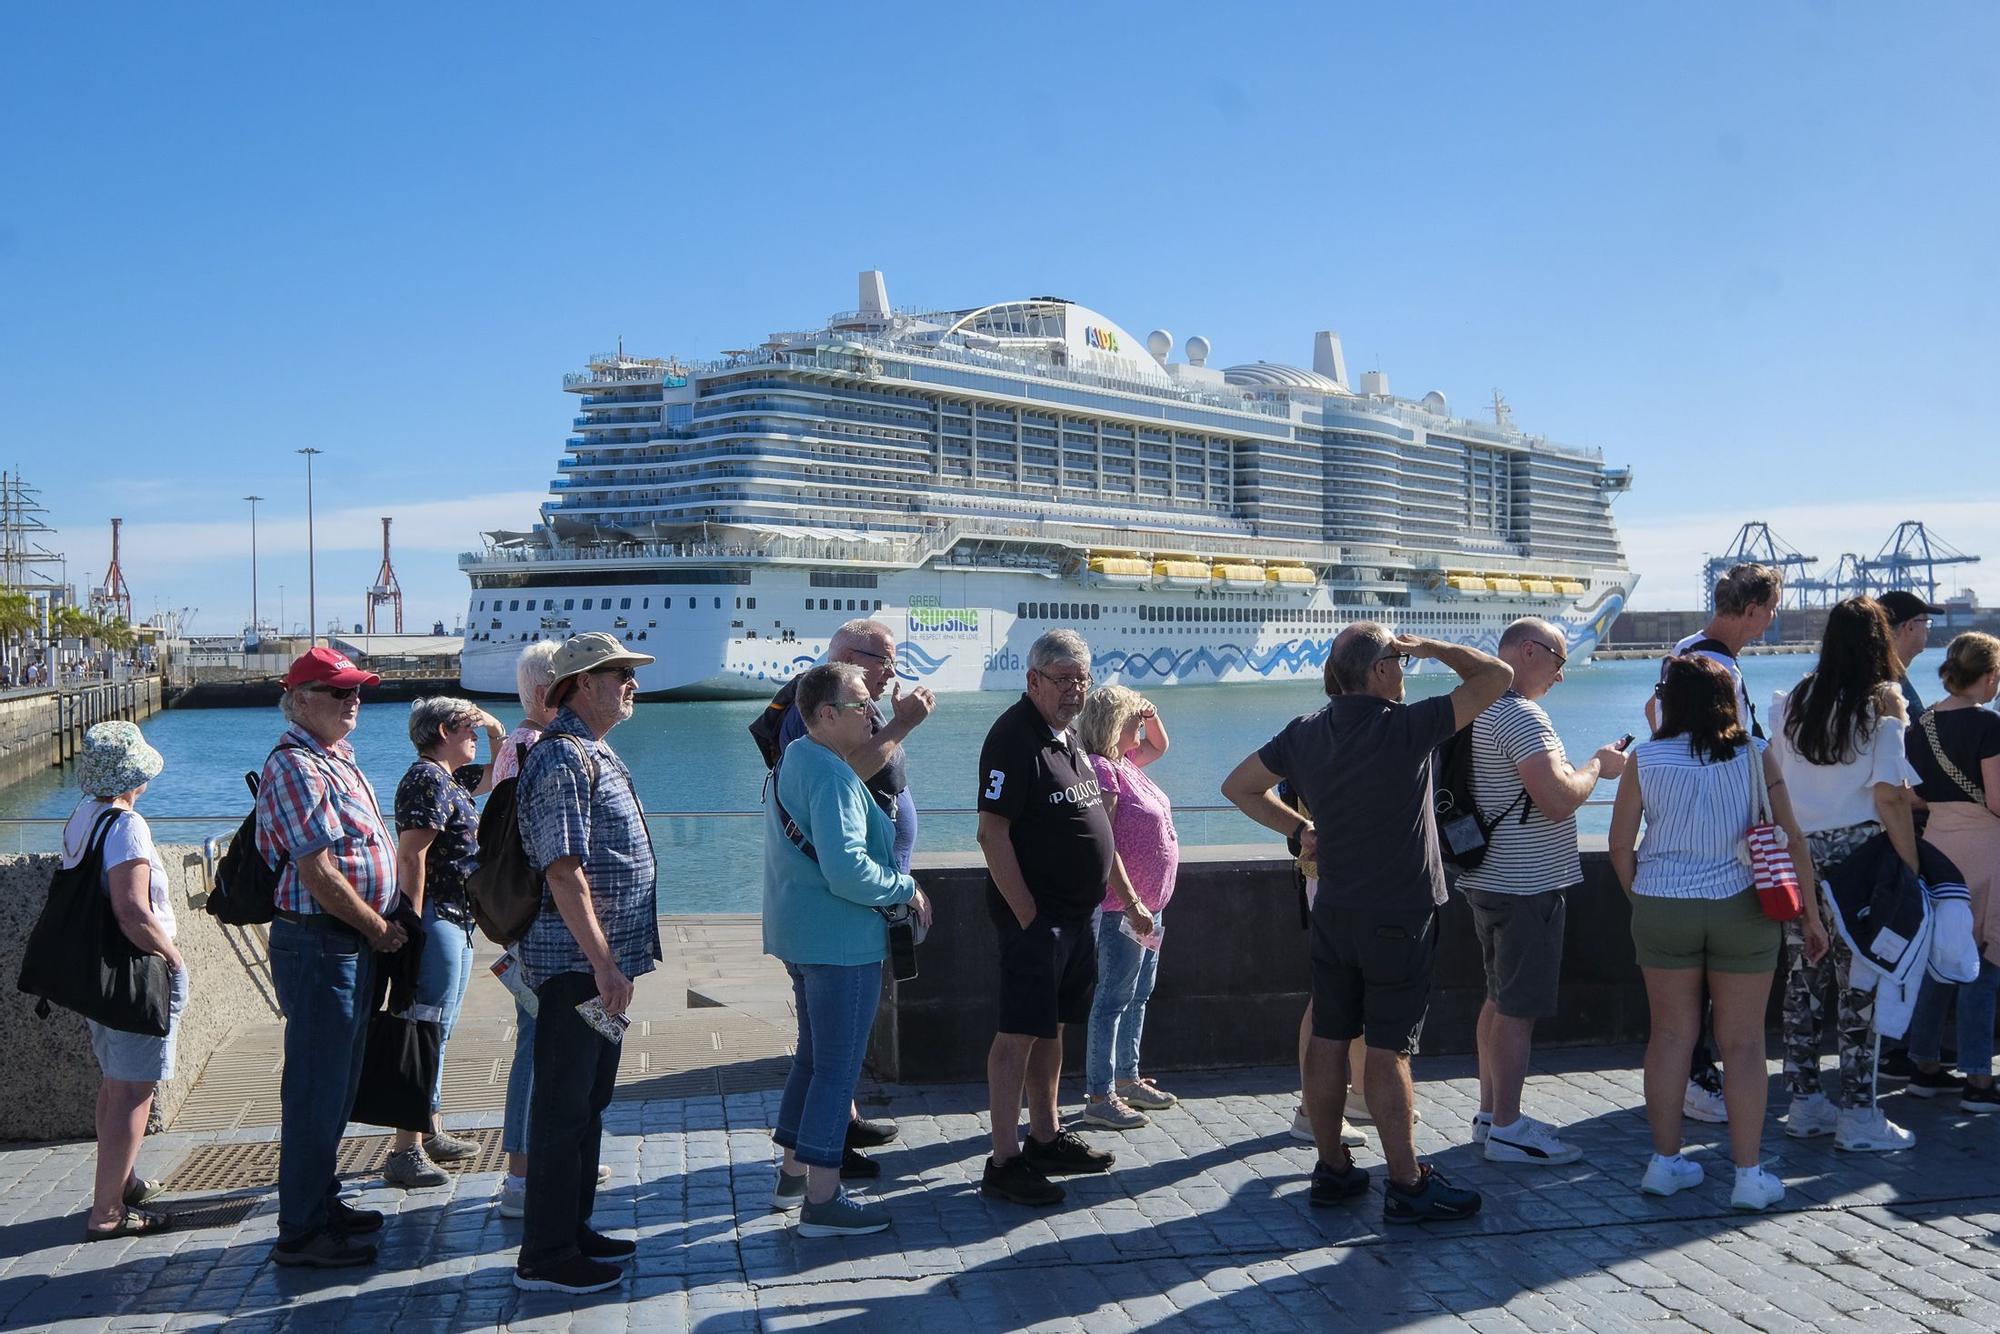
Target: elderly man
(316,810)
(598,929)
(1909,635)
(871,646)
(1046,837)
(1363,764)
(1530,793)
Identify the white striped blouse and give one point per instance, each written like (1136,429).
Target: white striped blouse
(1696,816)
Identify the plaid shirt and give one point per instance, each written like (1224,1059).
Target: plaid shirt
(317,797)
(562,817)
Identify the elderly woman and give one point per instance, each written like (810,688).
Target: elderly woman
(1696,919)
(116,767)
(437,847)
(827,870)
(534,672)
(1123,734)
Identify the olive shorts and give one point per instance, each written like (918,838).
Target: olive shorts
(1729,935)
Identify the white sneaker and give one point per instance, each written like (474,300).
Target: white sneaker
(512,1200)
(1357,1108)
(1811,1115)
(1700,1104)
(1756,1190)
(1302,1130)
(1867,1130)
(1481,1123)
(1666,1176)
(1528,1141)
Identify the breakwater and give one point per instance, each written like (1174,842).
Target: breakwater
(43,729)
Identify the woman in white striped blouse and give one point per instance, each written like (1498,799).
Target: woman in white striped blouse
(1694,912)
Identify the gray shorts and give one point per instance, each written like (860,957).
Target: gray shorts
(1521,943)
(135,1057)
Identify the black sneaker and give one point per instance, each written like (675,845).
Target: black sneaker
(1332,1185)
(344,1217)
(871,1134)
(578,1274)
(1895,1065)
(1065,1155)
(856,1166)
(1019,1182)
(1930,1083)
(597,1246)
(326,1249)
(1433,1200)
(1976,1099)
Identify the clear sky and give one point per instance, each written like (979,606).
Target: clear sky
(1748,249)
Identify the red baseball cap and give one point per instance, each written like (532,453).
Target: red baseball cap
(326,667)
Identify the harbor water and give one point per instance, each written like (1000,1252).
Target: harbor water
(698,770)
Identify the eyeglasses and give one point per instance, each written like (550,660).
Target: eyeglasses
(1080,681)
(869,653)
(1561,658)
(337,692)
(624,672)
(1393,656)
(847,704)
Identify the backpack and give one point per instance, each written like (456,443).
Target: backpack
(766,726)
(505,889)
(246,886)
(1463,833)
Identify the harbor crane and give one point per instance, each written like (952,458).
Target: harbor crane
(1756,543)
(112,598)
(385,590)
(1909,560)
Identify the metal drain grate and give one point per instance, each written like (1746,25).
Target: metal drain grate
(223,1167)
(194,1215)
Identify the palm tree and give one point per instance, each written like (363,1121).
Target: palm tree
(117,636)
(18,622)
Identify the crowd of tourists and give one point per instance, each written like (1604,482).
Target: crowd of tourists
(1744,854)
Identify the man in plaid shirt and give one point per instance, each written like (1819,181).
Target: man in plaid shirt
(315,807)
(598,929)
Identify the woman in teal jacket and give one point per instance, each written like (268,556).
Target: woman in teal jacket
(826,875)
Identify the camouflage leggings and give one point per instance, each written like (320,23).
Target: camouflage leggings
(1807,985)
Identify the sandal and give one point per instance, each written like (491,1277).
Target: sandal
(140,1191)
(135,1223)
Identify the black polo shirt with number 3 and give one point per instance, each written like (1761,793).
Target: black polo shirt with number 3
(1045,786)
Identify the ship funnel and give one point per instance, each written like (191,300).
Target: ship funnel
(1328,359)
(874,293)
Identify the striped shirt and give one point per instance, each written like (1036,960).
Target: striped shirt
(1522,857)
(312,797)
(1696,815)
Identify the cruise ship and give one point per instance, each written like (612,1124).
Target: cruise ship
(974,477)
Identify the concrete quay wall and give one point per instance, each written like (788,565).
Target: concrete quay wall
(40,729)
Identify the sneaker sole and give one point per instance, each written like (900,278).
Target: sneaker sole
(1706,1117)
(415,1185)
(786,1204)
(1873,1148)
(1657,1193)
(1808,1132)
(292,1261)
(512,1210)
(1065,1170)
(1431,1217)
(1509,1153)
(1916,1090)
(1100,1124)
(574,1289)
(1755,1208)
(830,1230)
(1319,1201)
(1036,1202)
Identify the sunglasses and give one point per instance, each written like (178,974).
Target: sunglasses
(338,692)
(1561,658)
(1393,656)
(624,672)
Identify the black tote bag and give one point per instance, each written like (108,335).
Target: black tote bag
(78,957)
(398,1070)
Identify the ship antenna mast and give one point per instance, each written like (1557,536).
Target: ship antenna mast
(1503,416)
(385,589)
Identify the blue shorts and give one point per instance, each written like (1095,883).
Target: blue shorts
(138,1058)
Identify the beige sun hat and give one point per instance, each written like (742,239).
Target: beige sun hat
(586,653)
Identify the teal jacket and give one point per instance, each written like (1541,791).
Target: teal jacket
(824,911)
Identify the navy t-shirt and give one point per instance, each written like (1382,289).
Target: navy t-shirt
(1364,767)
(1969,736)
(1045,786)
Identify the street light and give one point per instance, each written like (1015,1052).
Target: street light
(312,575)
(255,633)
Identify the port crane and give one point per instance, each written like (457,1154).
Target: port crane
(385,591)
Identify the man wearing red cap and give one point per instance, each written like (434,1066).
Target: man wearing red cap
(315,808)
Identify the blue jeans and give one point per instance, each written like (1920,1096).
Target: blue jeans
(1125,974)
(443,973)
(836,1009)
(520,1083)
(1976,1004)
(325,978)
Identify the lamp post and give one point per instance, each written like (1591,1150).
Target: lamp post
(255,631)
(312,575)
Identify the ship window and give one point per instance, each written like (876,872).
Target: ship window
(645,604)
(878,603)
(718,604)
(586,604)
(548,604)
(514,605)
(751,603)
(569,604)
(624,604)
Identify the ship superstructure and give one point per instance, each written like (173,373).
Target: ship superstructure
(973,477)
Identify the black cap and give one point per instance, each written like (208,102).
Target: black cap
(1901,605)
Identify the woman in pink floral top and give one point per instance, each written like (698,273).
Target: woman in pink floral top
(1124,734)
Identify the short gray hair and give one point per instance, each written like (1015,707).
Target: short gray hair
(1058,645)
(1356,650)
(430,716)
(859,630)
(535,672)
(1746,586)
(821,685)
(288,704)
(1517,631)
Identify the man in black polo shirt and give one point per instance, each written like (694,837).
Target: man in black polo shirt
(1363,764)
(1046,836)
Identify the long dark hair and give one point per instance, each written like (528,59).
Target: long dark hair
(1827,714)
(1698,701)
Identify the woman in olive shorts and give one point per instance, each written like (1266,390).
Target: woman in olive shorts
(1694,913)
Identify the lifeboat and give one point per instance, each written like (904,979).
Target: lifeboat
(1290,576)
(1544,587)
(1237,578)
(1503,584)
(1181,573)
(1120,571)
(1466,583)
(1569,588)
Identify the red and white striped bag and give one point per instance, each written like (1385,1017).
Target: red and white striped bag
(1771,868)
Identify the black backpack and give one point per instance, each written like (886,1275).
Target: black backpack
(766,726)
(246,886)
(1463,833)
(505,889)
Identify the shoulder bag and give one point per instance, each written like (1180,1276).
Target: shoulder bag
(1771,868)
(78,956)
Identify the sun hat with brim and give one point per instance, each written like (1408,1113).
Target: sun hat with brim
(327,667)
(586,653)
(116,759)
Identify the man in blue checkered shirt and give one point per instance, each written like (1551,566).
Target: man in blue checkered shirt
(598,929)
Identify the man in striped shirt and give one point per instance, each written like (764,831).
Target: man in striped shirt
(1522,778)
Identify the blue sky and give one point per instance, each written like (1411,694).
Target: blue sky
(1746,249)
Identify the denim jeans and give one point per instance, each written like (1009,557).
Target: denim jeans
(325,979)
(443,972)
(520,1083)
(836,1006)
(1976,1004)
(1125,973)
(575,1069)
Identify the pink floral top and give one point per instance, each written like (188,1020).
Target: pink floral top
(1142,827)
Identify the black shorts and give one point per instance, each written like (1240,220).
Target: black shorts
(1047,973)
(1371,974)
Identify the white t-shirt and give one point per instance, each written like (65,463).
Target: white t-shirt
(128,840)
(1834,796)
(1529,857)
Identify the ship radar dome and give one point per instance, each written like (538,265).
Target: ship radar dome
(1159,343)
(1197,351)
(1435,402)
